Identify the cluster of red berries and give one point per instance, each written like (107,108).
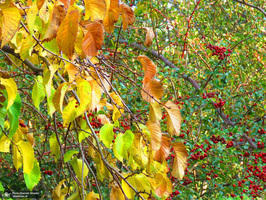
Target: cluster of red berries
(229,144)
(217,139)
(125,126)
(46,127)
(219,51)
(261,131)
(187,181)
(175,193)
(94,121)
(260,145)
(198,156)
(209,95)
(50,173)
(220,104)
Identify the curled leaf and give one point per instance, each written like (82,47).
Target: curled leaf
(127,14)
(149,37)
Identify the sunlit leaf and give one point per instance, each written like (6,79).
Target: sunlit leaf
(38,92)
(69,154)
(127,14)
(77,166)
(84,94)
(11,89)
(163,185)
(112,15)
(70,112)
(94,9)
(116,193)
(54,146)
(92,41)
(180,160)
(161,154)
(31,16)
(72,71)
(4,144)
(59,97)
(92,196)
(33,177)
(10,21)
(155,113)
(152,90)
(17,158)
(55,20)
(118,106)
(26,47)
(27,155)
(122,144)
(107,134)
(156,135)
(149,67)
(174,118)
(67,32)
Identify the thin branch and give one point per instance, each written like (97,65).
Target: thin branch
(252,6)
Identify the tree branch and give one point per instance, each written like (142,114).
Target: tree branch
(252,6)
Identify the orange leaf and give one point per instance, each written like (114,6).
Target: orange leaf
(150,68)
(116,193)
(174,118)
(112,15)
(10,18)
(92,42)
(67,32)
(161,154)
(94,9)
(149,37)
(127,14)
(154,89)
(180,160)
(156,135)
(55,20)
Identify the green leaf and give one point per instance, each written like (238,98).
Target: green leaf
(122,144)
(38,92)
(107,134)
(69,154)
(54,146)
(2,189)
(33,177)
(3,113)
(28,156)
(77,166)
(13,115)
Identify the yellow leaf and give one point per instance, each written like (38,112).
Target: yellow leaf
(127,189)
(4,144)
(11,89)
(180,160)
(92,41)
(155,113)
(96,94)
(149,67)
(70,112)
(102,171)
(92,196)
(156,135)
(10,21)
(174,118)
(59,97)
(116,193)
(72,71)
(139,151)
(31,16)
(127,14)
(77,166)
(84,94)
(161,154)
(57,193)
(28,156)
(54,146)
(116,112)
(94,9)
(48,77)
(55,20)
(17,158)
(149,37)
(67,32)
(26,47)
(152,90)
(112,15)
(163,185)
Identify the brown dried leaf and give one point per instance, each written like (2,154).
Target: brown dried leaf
(149,37)
(154,89)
